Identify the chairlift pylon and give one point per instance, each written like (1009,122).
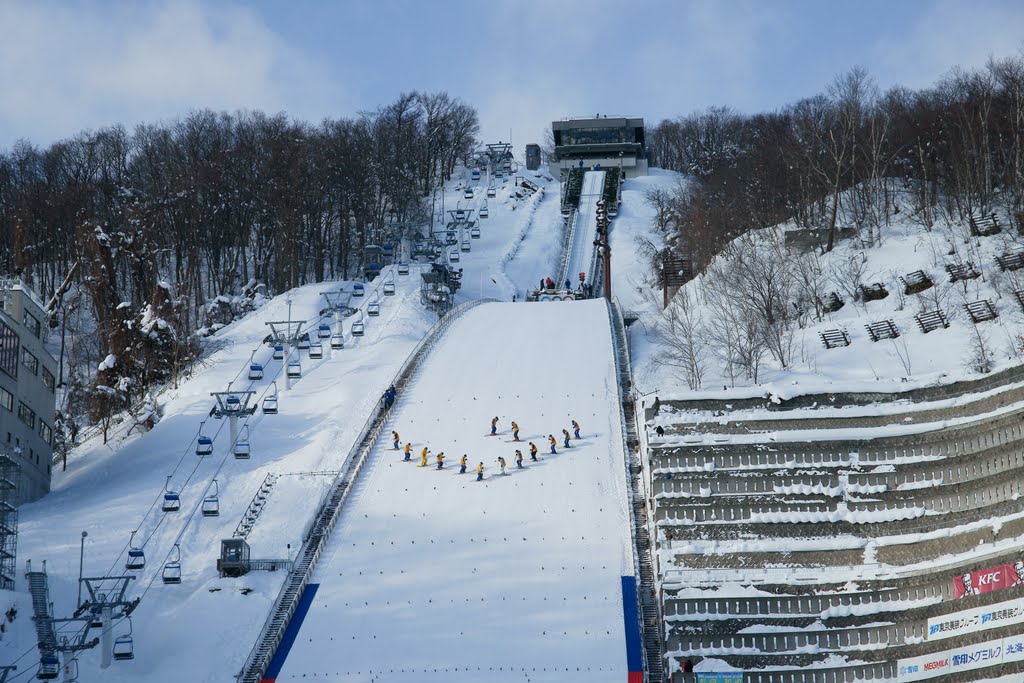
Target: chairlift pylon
(211,503)
(124,646)
(172,568)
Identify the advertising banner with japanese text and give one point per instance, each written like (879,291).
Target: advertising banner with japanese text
(975,656)
(922,668)
(976,619)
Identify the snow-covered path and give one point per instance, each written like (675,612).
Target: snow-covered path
(586,227)
(433,576)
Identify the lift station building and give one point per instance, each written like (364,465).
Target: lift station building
(609,142)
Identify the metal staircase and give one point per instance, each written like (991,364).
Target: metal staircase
(647,595)
(256,505)
(41,615)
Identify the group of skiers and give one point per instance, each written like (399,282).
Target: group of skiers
(439,458)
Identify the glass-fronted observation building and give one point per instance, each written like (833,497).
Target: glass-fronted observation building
(604,141)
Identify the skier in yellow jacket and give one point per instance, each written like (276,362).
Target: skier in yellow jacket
(462,464)
(515,431)
(533,451)
(408,451)
(480,472)
(423,456)
(552,443)
(395,439)
(440,460)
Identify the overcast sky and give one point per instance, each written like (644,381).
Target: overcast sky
(66,66)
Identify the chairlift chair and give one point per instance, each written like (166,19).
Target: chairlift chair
(358,289)
(337,341)
(172,569)
(304,342)
(323,331)
(294,369)
(316,350)
(255,371)
(468,194)
(373,308)
(460,214)
(136,557)
(242,448)
(232,404)
(278,351)
(475,233)
(403,268)
(492,193)
(204,445)
(270,402)
(389,289)
(358,328)
(124,647)
(453,257)
(466,246)
(484,213)
(49,668)
(211,503)
(172,502)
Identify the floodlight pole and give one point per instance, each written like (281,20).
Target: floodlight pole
(81,563)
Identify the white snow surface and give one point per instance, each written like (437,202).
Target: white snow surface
(433,576)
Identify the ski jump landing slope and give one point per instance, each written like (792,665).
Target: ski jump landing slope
(433,576)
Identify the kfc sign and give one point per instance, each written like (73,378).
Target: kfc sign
(988,580)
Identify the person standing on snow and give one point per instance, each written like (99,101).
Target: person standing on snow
(480,472)
(423,456)
(515,431)
(494,425)
(533,451)
(565,436)
(408,452)
(394,437)
(462,464)
(501,464)
(576,428)
(440,460)
(552,442)
(519,459)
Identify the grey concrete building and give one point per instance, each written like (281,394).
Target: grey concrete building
(609,142)
(27,388)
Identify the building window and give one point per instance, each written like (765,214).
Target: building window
(45,432)
(8,350)
(32,324)
(26,415)
(49,380)
(6,401)
(29,361)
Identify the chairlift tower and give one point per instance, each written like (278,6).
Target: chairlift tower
(232,405)
(106,601)
(286,333)
(339,304)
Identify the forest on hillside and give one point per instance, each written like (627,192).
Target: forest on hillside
(132,235)
(851,163)
(957,148)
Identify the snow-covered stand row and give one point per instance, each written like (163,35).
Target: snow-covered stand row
(823,561)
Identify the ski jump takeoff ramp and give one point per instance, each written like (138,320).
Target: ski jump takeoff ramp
(431,575)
